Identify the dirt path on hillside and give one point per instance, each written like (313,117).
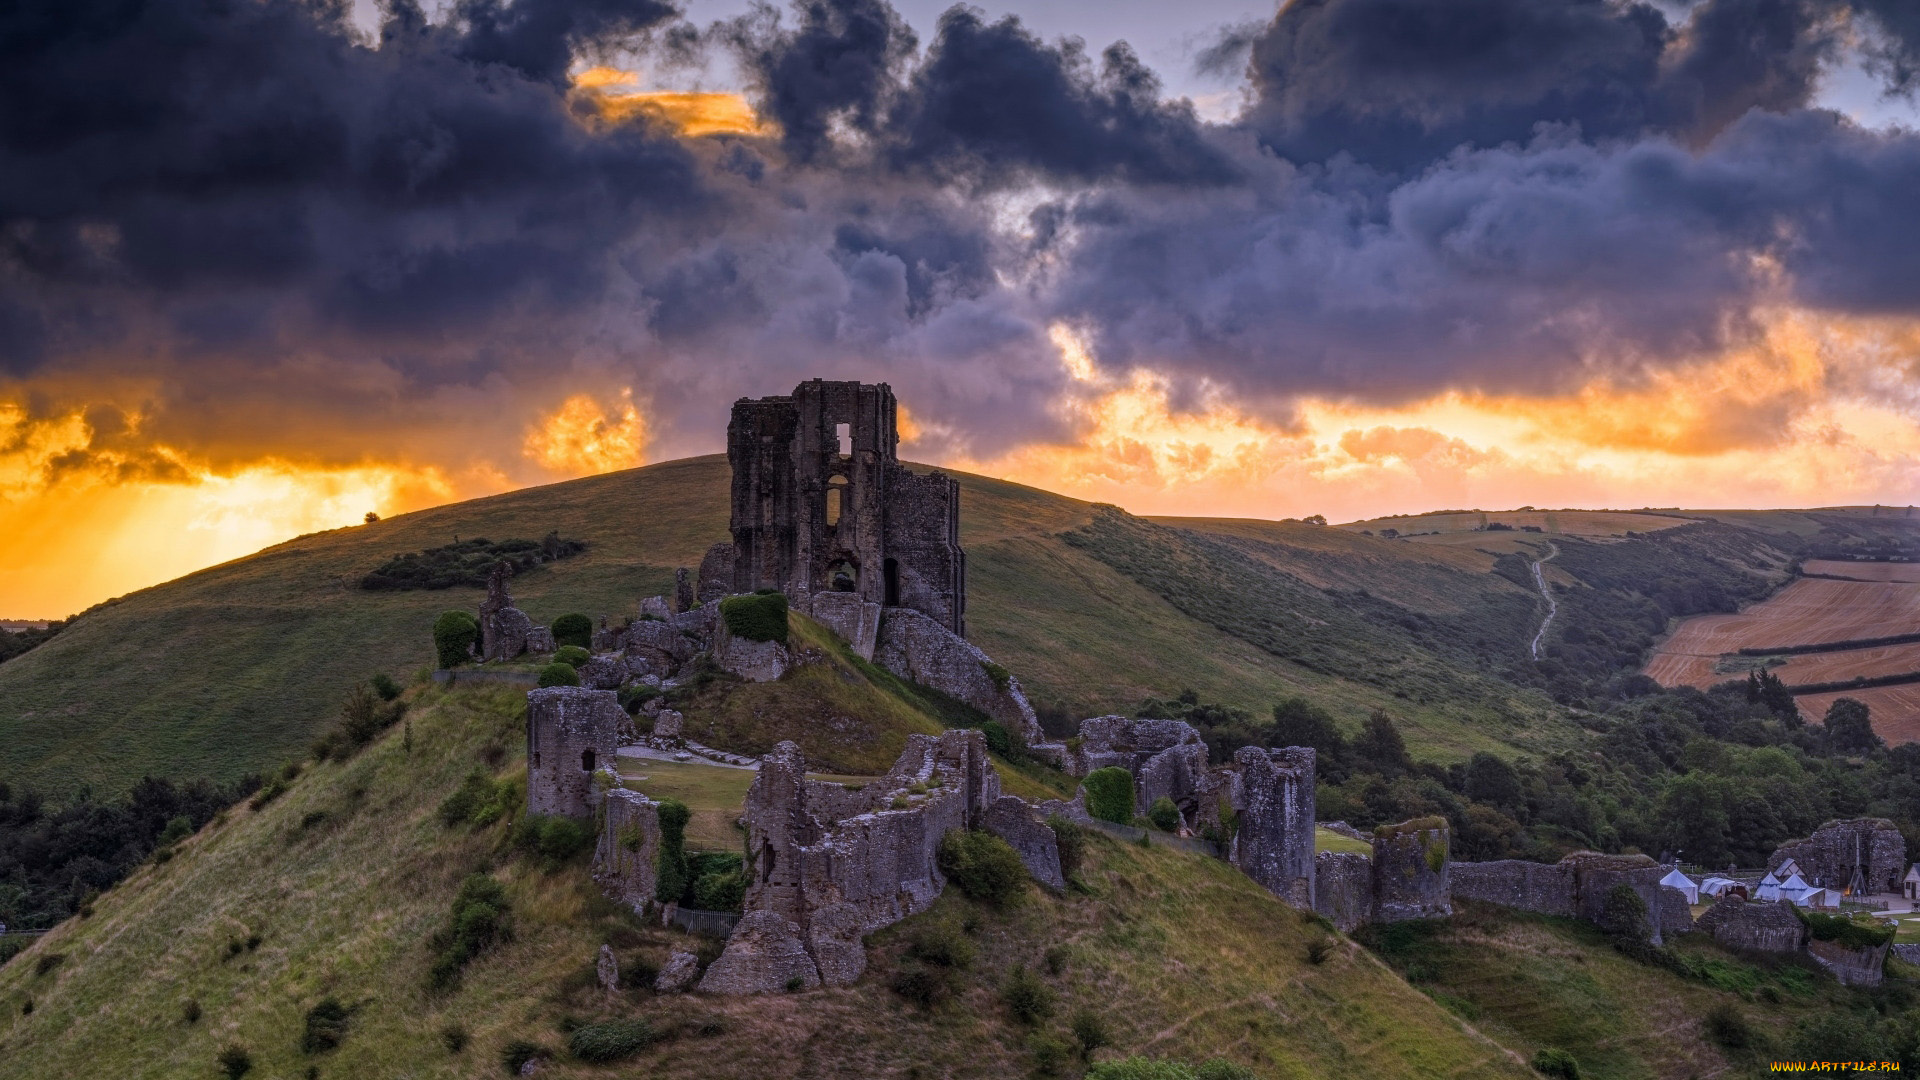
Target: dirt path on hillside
(1553,606)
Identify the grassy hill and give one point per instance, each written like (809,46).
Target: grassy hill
(231,669)
(336,888)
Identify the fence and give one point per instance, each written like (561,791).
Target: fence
(717,924)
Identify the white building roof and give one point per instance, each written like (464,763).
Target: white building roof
(1913,873)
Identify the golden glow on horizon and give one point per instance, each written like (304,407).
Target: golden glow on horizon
(1815,414)
(581,437)
(615,97)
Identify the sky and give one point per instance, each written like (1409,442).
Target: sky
(271,265)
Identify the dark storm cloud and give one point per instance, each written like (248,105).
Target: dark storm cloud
(246,206)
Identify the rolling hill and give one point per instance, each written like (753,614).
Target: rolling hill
(231,669)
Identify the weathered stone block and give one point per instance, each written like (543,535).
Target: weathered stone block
(606,970)
(913,646)
(656,607)
(1274,845)
(663,647)
(834,937)
(678,974)
(1012,820)
(1516,883)
(1741,924)
(683,596)
(716,574)
(763,955)
(1343,888)
(846,614)
(571,732)
(1853,967)
(1410,865)
(755,661)
(627,855)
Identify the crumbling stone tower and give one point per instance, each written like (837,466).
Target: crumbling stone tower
(571,733)
(822,504)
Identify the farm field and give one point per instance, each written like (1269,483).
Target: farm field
(1812,611)
(1864,571)
(1895,709)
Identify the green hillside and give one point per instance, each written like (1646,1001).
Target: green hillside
(234,668)
(337,888)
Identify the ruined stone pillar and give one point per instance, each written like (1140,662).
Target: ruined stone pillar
(1274,844)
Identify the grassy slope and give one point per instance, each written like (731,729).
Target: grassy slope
(230,669)
(1535,982)
(1183,956)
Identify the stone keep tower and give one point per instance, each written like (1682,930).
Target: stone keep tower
(822,504)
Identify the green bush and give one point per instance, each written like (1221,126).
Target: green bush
(1727,1027)
(479,800)
(574,629)
(1051,1053)
(384,685)
(1139,1068)
(454,1037)
(719,881)
(554,838)
(1026,997)
(573,656)
(1164,815)
(924,986)
(517,1053)
(759,617)
(178,829)
(1553,1061)
(1625,914)
(455,633)
(672,874)
(326,1026)
(999,740)
(1071,838)
(1090,1032)
(558,674)
(1844,930)
(1001,677)
(943,945)
(479,919)
(610,1040)
(1110,794)
(1221,1069)
(985,867)
(235,1062)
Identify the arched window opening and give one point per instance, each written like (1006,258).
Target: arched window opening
(836,499)
(844,434)
(586,759)
(843,576)
(890,576)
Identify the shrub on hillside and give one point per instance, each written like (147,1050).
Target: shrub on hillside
(610,1040)
(1110,794)
(326,1025)
(558,674)
(1728,1027)
(553,838)
(943,945)
(1090,1032)
(1026,997)
(467,562)
(1844,930)
(1555,1062)
(761,616)
(999,739)
(384,685)
(718,881)
(479,919)
(671,872)
(1164,815)
(479,800)
(925,986)
(235,1062)
(1140,1068)
(985,867)
(518,1052)
(363,715)
(572,655)
(574,629)
(455,633)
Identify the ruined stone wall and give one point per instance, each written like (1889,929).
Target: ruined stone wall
(571,732)
(716,574)
(1343,888)
(626,858)
(1274,844)
(1853,967)
(1178,773)
(1738,923)
(1515,883)
(815,510)
(856,620)
(1828,857)
(916,647)
(1410,871)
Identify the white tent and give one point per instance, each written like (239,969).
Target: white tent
(1715,886)
(1786,869)
(1677,880)
(1768,889)
(1812,898)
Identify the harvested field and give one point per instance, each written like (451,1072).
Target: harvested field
(1813,611)
(1895,709)
(1864,571)
(1810,611)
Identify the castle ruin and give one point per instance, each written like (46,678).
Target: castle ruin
(821,504)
